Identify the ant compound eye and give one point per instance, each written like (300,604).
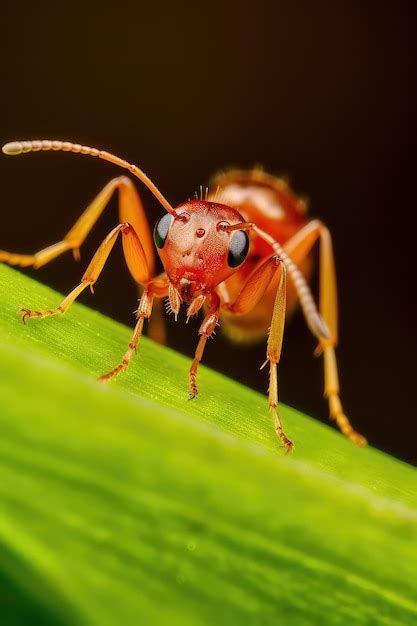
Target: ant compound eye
(238,248)
(161,229)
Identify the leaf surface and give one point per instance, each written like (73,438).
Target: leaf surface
(127,504)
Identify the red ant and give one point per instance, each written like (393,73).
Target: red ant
(229,252)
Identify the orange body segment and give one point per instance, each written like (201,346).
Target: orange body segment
(270,203)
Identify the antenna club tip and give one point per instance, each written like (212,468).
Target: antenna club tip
(14,147)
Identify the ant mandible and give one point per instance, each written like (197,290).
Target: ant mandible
(229,252)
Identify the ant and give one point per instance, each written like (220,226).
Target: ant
(229,253)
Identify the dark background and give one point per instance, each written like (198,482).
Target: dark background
(321,91)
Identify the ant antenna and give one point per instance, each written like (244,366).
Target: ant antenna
(20,147)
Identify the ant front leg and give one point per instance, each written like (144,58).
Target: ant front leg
(252,291)
(93,271)
(206,329)
(159,288)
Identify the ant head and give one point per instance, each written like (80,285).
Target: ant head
(195,247)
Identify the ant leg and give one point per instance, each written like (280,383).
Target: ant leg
(298,247)
(328,309)
(160,289)
(156,329)
(273,354)
(252,291)
(311,314)
(206,329)
(130,210)
(133,251)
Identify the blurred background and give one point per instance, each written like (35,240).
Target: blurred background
(322,92)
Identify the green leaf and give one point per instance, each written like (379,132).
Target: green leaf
(127,504)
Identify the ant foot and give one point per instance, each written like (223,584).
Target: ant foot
(28,313)
(193,392)
(357,438)
(337,415)
(286,443)
(192,387)
(104,378)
